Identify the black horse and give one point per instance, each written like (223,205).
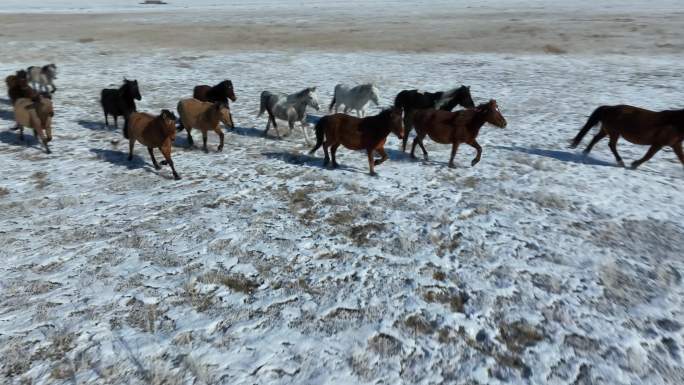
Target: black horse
(412,100)
(120,102)
(219,93)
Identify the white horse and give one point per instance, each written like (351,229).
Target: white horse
(291,108)
(355,98)
(42,77)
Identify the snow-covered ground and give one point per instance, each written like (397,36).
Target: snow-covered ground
(537,266)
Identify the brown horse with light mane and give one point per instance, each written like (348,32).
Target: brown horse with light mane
(455,127)
(368,134)
(637,125)
(152,131)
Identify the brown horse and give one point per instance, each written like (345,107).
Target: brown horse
(637,125)
(455,127)
(218,93)
(18,87)
(152,131)
(204,116)
(368,134)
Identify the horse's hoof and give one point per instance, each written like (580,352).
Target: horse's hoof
(219,149)
(206,150)
(451,165)
(47,151)
(176,177)
(373,173)
(157,167)
(633,166)
(473,163)
(622,164)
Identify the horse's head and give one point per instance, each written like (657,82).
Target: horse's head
(224,114)
(396,121)
(168,119)
(45,112)
(374,94)
(491,113)
(228,89)
(50,70)
(131,87)
(464,97)
(311,98)
(22,74)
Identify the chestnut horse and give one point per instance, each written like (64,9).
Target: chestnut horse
(455,127)
(368,134)
(637,125)
(219,93)
(152,131)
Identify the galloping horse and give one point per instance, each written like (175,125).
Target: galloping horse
(354,98)
(42,77)
(368,134)
(203,116)
(219,93)
(455,127)
(411,100)
(152,131)
(637,125)
(288,107)
(120,102)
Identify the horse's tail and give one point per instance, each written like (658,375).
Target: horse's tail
(125,128)
(320,134)
(179,108)
(594,119)
(262,104)
(399,100)
(334,99)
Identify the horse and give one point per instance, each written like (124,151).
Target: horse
(288,107)
(218,93)
(455,127)
(120,102)
(18,87)
(152,131)
(35,113)
(43,77)
(638,126)
(369,133)
(411,100)
(204,116)
(354,98)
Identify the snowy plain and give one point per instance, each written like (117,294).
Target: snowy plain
(537,266)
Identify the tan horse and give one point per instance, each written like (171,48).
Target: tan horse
(637,125)
(455,127)
(37,114)
(204,116)
(152,131)
(354,133)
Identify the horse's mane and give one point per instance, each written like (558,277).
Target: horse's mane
(302,93)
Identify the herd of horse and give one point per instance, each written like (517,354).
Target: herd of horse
(429,113)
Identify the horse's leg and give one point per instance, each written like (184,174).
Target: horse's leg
(678,150)
(190,140)
(131,144)
(166,151)
(204,141)
(116,123)
(154,161)
(454,148)
(333,153)
(326,160)
(613,147)
(220,134)
(106,121)
(407,129)
(478,148)
(383,156)
(600,135)
(649,154)
(371,162)
(306,136)
(21,132)
(422,147)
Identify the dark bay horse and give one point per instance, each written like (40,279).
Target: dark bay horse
(368,134)
(637,125)
(219,93)
(455,127)
(411,100)
(18,87)
(120,102)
